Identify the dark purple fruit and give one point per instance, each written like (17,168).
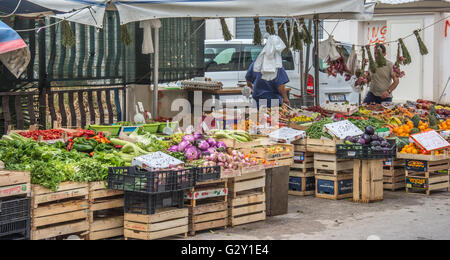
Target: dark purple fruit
(369,130)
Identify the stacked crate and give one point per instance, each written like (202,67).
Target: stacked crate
(14,205)
(105,212)
(334,177)
(208,201)
(247,198)
(60,213)
(394,174)
(154,201)
(301,176)
(426,173)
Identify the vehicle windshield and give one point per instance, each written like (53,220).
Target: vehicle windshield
(237,57)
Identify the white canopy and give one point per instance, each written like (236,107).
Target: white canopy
(411,6)
(138,10)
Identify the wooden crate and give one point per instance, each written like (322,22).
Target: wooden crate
(368,181)
(14,183)
(426,182)
(105,212)
(247,208)
(59,213)
(255,181)
(300,145)
(257,141)
(322,145)
(301,183)
(303,161)
(329,164)
(424,157)
(164,223)
(261,152)
(394,175)
(208,206)
(334,187)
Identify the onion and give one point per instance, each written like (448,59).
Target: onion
(211,141)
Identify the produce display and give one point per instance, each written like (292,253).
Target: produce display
(87,154)
(369,137)
(47,135)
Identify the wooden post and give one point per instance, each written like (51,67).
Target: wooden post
(368,181)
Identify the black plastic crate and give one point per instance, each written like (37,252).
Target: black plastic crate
(386,153)
(208,174)
(366,152)
(14,209)
(144,204)
(350,151)
(136,179)
(15,230)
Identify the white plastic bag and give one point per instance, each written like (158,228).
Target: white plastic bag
(352,62)
(270,60)
(328,50)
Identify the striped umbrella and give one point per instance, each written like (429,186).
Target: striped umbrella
(14,52)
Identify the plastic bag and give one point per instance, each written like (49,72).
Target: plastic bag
(352,62)
(328,50)
(270,60)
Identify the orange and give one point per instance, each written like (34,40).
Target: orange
(415,151)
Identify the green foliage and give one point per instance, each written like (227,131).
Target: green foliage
(416,121)
(405,53)
(422,47)
(50,165)
(257,36)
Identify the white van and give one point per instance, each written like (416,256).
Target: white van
(228,62)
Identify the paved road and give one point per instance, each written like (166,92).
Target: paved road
(399,216)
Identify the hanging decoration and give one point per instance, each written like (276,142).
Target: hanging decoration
(405,53)
(257,36)
(398,72)
(363,59)
(297,41)
(225,31)
(270,27)
(422,47)
(125,36)
(68,37)
(379,57)
(307,37)
(372,64)
(282,35)
(289,32)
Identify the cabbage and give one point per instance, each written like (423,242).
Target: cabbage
(189,138)
(221,144)
(211,142)
(203,145)
(198,136)
(192,153)
(183,145)
(173,149)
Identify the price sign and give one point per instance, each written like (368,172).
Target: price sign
(287,134)
(430,141)
(343,129)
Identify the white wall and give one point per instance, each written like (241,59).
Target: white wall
(442,59)
(214,28)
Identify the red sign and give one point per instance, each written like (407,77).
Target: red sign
(376,34)
(447,25)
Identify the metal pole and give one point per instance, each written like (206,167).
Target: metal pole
(156,75)
(316,60)
(305,76)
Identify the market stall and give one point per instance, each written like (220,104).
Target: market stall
(162,182)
